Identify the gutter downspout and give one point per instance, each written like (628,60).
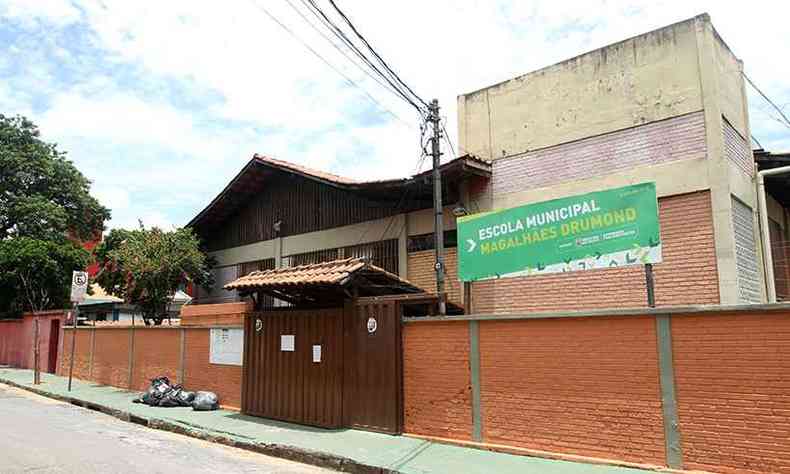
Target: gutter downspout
(768,260)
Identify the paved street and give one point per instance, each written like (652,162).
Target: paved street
(38,434)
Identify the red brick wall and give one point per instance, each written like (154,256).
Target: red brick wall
(436,385)
(156,352)
(82,351)
(223,314)
(421,273)
(111,360)
(224,380)
(585,386)
(687,275)
(733,388)
(590,386)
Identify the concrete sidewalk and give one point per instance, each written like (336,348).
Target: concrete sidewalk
(346,450)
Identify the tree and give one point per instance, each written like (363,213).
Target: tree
(146,267)
(46,212)
(42,194)
(36,274)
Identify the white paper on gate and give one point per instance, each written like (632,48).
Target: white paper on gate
(316,353)
(287,343)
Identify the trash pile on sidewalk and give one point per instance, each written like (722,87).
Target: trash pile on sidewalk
(162,394)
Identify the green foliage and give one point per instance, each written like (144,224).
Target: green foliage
(36,274)
(146,267)
(42,194)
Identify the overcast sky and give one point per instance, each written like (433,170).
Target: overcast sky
(161,103)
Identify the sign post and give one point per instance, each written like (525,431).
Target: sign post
(604,229)
(79,285)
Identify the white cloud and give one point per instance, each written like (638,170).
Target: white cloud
(213,83)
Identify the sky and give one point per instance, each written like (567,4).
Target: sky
(160,104)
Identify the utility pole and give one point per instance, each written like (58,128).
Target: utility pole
(438,207)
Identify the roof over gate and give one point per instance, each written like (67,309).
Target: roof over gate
(327,282)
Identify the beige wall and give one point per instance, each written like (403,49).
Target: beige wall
(669,72)
(643,79)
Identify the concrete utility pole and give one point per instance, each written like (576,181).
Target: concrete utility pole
(438,207)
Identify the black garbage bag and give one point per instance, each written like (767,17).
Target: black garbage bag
(205,401)
(160,386)
(186,398)
(172,397)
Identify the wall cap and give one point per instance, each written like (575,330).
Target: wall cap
(668,310)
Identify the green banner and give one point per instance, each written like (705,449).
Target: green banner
(611,228)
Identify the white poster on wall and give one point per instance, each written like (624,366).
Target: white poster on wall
(226,346)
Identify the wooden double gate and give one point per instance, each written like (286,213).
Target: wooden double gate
(333,368)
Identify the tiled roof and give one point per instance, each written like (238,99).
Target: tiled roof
(334,273)
(305,170)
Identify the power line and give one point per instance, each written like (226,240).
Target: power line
(316,54)
(778,109)
(378,57)
(340,50)
(341,35)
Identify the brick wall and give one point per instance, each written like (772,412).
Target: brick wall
(157,352)
(678,138)
(222,314)
(733,391)
(736,148)
(687,274)
(102,356)
(585,386)
(436,384)
(225,380)
(421,273)
(590,386)
(111,359)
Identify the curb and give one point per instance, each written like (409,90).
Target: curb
(291,453)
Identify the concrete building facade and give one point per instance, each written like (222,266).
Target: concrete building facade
(667,106)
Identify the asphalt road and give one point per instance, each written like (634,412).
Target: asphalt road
(41,435)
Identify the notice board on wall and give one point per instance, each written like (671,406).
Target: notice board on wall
(226,346)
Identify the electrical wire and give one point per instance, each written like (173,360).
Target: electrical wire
(339,49)
(316,54)
(386,66)
(341,35)
(778,109)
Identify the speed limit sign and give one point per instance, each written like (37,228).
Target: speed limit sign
(79,285)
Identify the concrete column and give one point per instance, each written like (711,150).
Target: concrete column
(181,355)
(92,352)
(131,357)
(669,405)
(474,367)
(403,246)
(718,166)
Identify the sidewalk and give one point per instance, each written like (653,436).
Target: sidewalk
(347,450)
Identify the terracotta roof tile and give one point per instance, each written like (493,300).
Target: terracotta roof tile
(334,273)
(306,170)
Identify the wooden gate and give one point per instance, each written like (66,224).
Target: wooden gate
(372,373)
(293,366)
(339,367)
